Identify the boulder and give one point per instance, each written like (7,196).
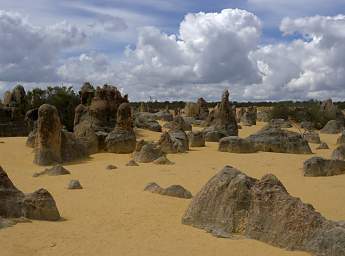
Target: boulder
(56,170)
(249,116)
(147,152)
(222,121)
(72,148)
(174,141)
(279,123)
(147,121)
(196,139)
(178,123)
(74,184)
(323,145)
(339,153)
(173,191)
(234,144)
(132,163)
(163,160)
(164,115)
(279,141)
(234,203)
(39,205)
(312,137)
(48,139)
(122,139)
(341,139)
(318,166)
(333,127)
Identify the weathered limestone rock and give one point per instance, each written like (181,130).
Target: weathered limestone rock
(147,121)
(74,184)
(233,203)
(249,116)
(147,152)
(312,137)
(341,139)
(132,163)
(279,123)
(122,139)
(56,170)
(323,145)
(222,121)
(14,203)
(318,166)
(173,191)
(179,123)
(234,144)
(198,110)
(174,141)
(196,139)
(339,153)
(163,160)
(333,127)
(48,139)
(279,141)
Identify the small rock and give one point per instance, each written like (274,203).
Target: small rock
(323,145)
(111,167)
(163,160)
(54,171)
(173,191)
(132,163)
(74,184)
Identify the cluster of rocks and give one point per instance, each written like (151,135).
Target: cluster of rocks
(234,203)
(178,123)
(39,205)
(221,121)
(173,191)
(12,113)
(51,143)
(267,140)
(93,122)
(247,116)
(145,120)
(198,110)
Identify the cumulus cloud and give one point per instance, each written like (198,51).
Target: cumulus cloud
(29,53)
(210,52)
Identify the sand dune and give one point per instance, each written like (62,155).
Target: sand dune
(112,215)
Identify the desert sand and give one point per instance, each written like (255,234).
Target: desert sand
(112,215)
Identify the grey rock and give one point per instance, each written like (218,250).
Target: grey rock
(147,152)
(56,170)
(323,145)
(111,167)
(341,139)
(196,139)
(312,137)
(333,127)
(234,144)
(318,166)
(233,203)
(163,160)
(339,153)
(74,184)
(174,141)
(173,191)
(132,163)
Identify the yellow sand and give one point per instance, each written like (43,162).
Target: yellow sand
(112,215)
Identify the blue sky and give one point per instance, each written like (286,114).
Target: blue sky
(107,31)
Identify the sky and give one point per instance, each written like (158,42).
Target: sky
(177,50)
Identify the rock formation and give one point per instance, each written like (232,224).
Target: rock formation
(198,110)
(249,116)
(279,141)
(174,141)
(48,138)
(163,160)
(147,121)
(92,123)
(234,144)
(178,123)
(122,139)
(333,127)
(196,139)
(339,153)
(12,113)
(312,137)
(234,203)
(146,152)
(341,139)
(173,191)
(74,184)
(39,205)
(279,123)
(56,170)
(323,145)
(52,144)
(318,166)
(222,121)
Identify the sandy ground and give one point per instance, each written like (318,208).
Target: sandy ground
(112,215)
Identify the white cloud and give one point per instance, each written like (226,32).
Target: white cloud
(29,53)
